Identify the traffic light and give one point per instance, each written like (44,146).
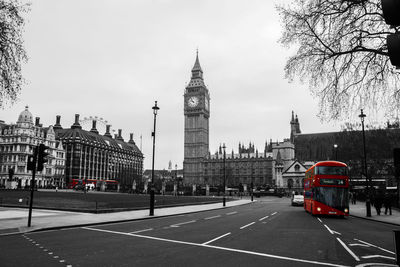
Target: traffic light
(42,156)
(391,11)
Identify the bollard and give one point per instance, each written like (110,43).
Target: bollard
(397,245)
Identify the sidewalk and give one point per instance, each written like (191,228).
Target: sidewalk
(359,210)
(15,220)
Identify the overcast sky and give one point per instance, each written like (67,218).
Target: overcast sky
(113,59)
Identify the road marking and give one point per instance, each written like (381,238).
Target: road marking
(376,264)
(388,251)
(377,256)
(360,245)
(230,213)
(263,218)
(247,225)
(212,217)
(179,224)
(348,250)
(319,220)
(330,231)
(216,247)
(212,240)
(140,231)
(274,213)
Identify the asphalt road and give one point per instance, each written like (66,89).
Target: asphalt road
(268,232)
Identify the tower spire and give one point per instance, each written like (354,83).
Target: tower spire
(197,72)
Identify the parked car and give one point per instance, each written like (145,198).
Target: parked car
(297,200)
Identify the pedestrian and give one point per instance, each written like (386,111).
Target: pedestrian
(354,199)
(378,203)
(387,202)
(351,197)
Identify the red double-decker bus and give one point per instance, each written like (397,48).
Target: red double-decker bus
(109,184)
(326,189)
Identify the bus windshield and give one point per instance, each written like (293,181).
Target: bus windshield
(334,197)
(331,170)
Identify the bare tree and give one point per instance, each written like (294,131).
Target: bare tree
(12,52)
(342,54)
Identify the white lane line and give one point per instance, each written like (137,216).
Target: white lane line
(388,251)
(348,250)
(360,245)
(247,225)
(263,218)
(216,247)
(274,213)
(319,220)
(212,240)
(377,256)
(230,213)
(212,217)
(179,224)
(141,231)
(330,231)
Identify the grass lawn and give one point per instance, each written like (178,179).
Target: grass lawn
(95,201)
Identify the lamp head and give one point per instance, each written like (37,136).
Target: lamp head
(362,115)
(155,108)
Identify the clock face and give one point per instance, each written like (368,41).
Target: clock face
(193,101)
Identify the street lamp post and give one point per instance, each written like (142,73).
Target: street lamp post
(335,146)
(252,183)
(176,179)
(155,109)
(367,202)
(223,199)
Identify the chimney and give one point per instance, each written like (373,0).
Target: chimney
(57,125)
(76,125)
(108,131)
(131,139)
(37,121)
(94,130)
(119,137)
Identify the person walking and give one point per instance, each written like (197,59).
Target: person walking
(378,203)
(354,199)
(387,202)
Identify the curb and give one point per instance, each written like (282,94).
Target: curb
(368,219)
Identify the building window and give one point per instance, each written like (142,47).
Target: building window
(297,167)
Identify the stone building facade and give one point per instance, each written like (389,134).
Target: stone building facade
(103,158)
(242,169)
(17,142)
(197,114)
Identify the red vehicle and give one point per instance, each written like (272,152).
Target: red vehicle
(326,189)
(80,183)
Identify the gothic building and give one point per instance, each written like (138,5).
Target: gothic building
(244,168)
(248,166)
(90,155)
(197,114)
(17,142)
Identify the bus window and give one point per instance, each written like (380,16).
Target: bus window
(331,170)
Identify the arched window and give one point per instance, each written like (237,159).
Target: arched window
(297,167)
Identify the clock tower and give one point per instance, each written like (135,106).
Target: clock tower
(197,113)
